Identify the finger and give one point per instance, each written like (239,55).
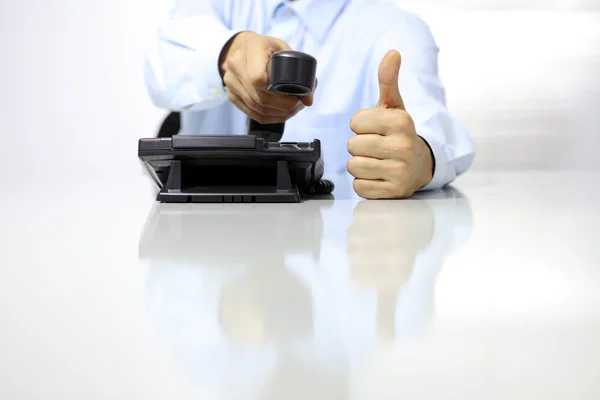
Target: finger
(276,45)
(310,99)
(374,189)
(254,72)
(258,117)
(267,113)
(389,70)
(296,109)
(367,145)
(235,86)
(307,100)
(381,121)
(366,168)
(399,147)
(373,169)
(277,101)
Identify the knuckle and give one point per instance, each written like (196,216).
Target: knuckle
(357,119)
(358,187)
(402,189)
(403,119)
(227,80)
(388,191)
(352,145)
(399,169)
(276,43)
(408,146)
(283,45)
(256,78)
(229,63)
(351,165)
(356,167)
(399,189)
(365,112)
(232,97)
(401,146)
(354,121)
(233,61)
(403,193)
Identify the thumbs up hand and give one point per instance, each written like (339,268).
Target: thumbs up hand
(389,160)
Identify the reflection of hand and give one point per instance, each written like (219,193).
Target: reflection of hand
(389,159)
(383,243)
(240,317)
(384,239)
(268,304)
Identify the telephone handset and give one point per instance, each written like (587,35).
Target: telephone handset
(292,73)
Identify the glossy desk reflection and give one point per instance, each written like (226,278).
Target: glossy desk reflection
(287,301)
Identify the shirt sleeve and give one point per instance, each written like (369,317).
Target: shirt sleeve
(181,68)
(424,97)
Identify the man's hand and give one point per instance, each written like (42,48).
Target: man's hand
(244,69)
(389,159)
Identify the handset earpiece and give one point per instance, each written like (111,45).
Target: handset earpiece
(292,73)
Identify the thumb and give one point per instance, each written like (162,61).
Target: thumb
(389,94)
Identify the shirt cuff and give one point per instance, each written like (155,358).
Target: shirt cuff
(208,73)
(440,162)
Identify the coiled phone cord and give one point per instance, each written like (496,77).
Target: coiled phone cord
(322,187)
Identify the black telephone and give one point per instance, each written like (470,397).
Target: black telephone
(250,168)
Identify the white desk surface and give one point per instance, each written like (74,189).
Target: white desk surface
(486,291)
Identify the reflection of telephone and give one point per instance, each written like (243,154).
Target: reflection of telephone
(242,169)
(227,294)
(244,251)
(227,235)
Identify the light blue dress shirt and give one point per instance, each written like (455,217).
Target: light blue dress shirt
(348,38)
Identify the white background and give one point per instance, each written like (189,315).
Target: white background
(524,76)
